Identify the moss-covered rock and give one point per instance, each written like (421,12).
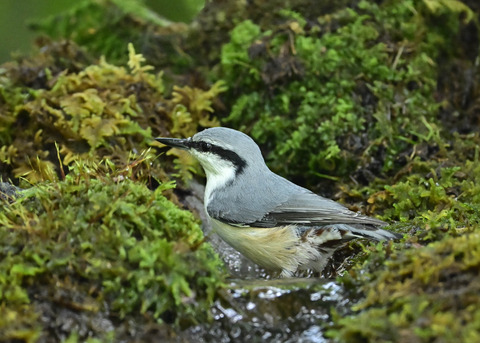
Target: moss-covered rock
(428,289)
(105,247)
(347,94)
(99,110)
(423,294)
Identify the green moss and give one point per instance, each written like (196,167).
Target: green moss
(106,26)
(426,288)
(103,110)
(101,243)
(351,90)
(420,294)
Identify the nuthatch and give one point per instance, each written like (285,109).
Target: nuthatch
(272,221)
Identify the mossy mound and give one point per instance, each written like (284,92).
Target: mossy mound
(427,288)
(106,248)
(423,294)
(443,200)
(348,94)
(90,112)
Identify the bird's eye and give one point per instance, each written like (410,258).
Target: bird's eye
(205,147)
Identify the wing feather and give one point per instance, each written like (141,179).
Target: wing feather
(309,209)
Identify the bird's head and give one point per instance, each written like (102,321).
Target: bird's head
(222,152)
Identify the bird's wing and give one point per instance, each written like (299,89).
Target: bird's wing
(273,201)
(310,209)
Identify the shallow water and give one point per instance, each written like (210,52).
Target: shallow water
(280,310)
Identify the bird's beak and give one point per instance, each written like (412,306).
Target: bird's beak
(181,143)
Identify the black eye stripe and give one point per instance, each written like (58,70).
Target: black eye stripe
(205,146)
(201,146)
(225,154)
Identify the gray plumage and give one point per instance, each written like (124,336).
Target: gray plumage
(243,192)
(265,199)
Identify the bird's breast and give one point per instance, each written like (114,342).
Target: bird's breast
(272,248)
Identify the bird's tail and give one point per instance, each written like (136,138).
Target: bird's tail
(369,232)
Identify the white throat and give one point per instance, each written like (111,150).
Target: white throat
(219,173)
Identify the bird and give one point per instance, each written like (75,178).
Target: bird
(275,223)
